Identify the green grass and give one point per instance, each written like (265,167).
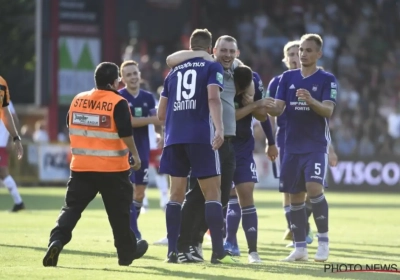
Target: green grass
(364,228)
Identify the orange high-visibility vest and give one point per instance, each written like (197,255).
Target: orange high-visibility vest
(95,144)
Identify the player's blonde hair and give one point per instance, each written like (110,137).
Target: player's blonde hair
(288,46)
(313,37)
(126,64)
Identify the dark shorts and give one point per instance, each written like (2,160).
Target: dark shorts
(299,169)
(141,177)
(245,165)
(179,159)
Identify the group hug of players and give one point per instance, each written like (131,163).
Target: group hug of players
(302,99)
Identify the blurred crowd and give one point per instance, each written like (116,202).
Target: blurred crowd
(361,47)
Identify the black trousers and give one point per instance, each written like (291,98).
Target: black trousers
(116,191)
(194,226)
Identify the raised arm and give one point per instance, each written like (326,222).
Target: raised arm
(181,56)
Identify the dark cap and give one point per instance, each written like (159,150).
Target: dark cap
(105,74)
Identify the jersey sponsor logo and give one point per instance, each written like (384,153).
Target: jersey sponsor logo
(85,119)
(93,104)
(300,105)
(220,78)
(138,112)
(292,87)
(333,93)
(185,90)
(91,120)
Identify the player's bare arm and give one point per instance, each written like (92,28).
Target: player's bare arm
(271,151)
(181,56)
(324,108)
(162,108)
(10,125)
(332,156)
(159,129)
(130,143)
(249,109)
(144,121)
(261,113)
(275,107)
(215,105)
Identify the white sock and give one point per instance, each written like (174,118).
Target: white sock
(145,201)
(162,185)
(12,188)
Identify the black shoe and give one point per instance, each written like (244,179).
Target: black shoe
(18,207)
(196,256)
(51,257)
(172,258)
(124,262)
(141,249)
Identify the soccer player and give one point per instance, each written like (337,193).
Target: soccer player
(142,105)
(245,175)
(292,61)
(5,175)
(193,222)
(191,106)
(308,96)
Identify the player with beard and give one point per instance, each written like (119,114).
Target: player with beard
(193,223)
(191,106)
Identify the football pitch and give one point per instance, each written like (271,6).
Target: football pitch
(364,229)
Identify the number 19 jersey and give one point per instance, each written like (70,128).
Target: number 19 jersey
(188,118)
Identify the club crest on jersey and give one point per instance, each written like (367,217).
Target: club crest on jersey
(314,87)
(145,104)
